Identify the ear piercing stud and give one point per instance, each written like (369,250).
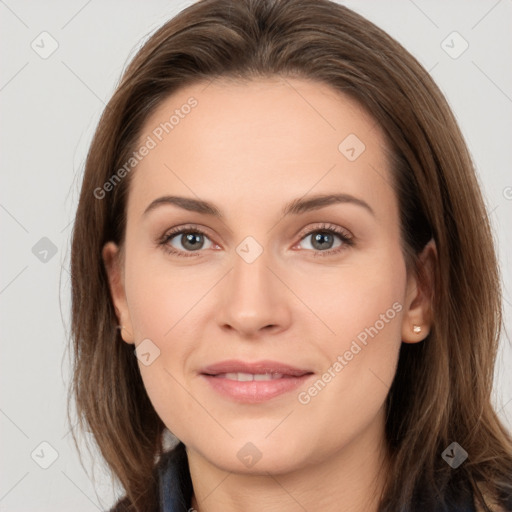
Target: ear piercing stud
(416,329)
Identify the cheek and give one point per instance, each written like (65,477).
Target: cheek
(356,330)
(160,297)
(165,308)
(361,301)
(363,308)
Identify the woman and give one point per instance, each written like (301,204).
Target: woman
(282,257)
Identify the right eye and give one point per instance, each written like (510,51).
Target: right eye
(191,240)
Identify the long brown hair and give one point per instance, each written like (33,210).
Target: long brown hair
(442,389)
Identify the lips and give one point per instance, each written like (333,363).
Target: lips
(253,382)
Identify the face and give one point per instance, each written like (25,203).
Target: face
(268,322)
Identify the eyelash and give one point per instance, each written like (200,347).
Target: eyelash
(347,240)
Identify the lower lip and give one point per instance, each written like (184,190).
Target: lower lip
(255,391)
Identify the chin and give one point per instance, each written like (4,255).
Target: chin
(257,455)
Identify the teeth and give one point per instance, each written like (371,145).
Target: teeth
(242,377)
(246,377)
(266,376)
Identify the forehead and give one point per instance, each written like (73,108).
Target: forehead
(244,142)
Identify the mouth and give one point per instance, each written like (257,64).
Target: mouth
(253,382)
(247,377)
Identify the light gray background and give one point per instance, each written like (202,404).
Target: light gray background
(49,109)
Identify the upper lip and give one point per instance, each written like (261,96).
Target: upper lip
(234,366)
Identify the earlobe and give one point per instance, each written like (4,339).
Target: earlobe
(113,267)
(418,316)
(414,333)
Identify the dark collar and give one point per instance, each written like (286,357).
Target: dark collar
(175,482)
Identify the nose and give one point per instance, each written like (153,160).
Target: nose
(254,298)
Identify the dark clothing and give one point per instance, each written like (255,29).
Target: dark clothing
(175,482)
(176,488)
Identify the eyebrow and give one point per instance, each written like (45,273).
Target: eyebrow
(295,207)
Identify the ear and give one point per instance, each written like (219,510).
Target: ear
(112,260)
(418,316)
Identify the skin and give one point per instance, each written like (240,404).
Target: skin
(250,148)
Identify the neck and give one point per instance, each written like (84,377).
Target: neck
(350,479)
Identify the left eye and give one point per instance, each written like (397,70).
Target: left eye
(322,240)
